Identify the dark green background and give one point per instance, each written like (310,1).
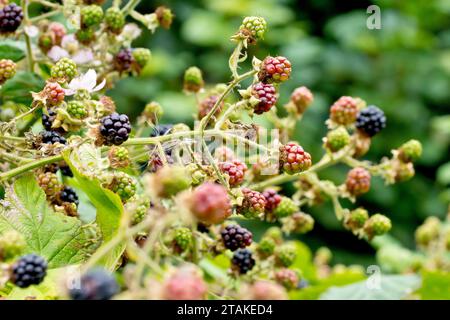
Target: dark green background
(404,68)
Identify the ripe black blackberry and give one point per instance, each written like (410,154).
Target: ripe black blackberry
(371,120)
(235,237)
(47,119)
(161,130)
(11,17)
(69,195)
(96,284)
(115,128)
(243,260)
(28,270)
(65,170)
(52,137)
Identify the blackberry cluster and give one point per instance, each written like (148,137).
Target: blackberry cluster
(285,208)
(235,170)
(29,270)
(235,237)
(96,284)
(344,111)
(253,204)
(371,120)
(254,26)
(293,159)
(207,105)
(47,119)
(64,69)
(267,96)
(69,195)
(123,61)
(358,181)
(115,128)
(51,137)
(301,98)
(77,109)
(243,260)
(114,20)
(274,70)
(11,17)
(7,70)
(141,56)
(210,203)
(91,15)
(54,93)
(273,199)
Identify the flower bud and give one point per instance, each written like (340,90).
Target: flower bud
(356,219)
(377,225)
(164,16)
(410,151)
(337,139)
(193,80)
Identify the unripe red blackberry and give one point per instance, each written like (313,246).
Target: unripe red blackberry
(57,31)
(114,20)
(287,278)
(207,104)
(54,93)
(235,171)
(11,17)
(141,56)
(293,159)
(267,96)
(51,137)
(210,203)
(273,199)
(30,269)
(358,181)
(254,27)
(193,80)
(285,208)
(184,284)
(235,237)
(96,284)
(377,225)
(67,194)
(274,70)
(115,128)
(266,290)
(253,204)
(48,181)
(164,16)
(286,254)
(123,61)
(337,139)
(371,120)
(301,99)
(77,109)
(356,218)
(344,111)
(243,261)
(64,69)
(183,238)
(123,185)
(91,16)
(7,70)
(410,151)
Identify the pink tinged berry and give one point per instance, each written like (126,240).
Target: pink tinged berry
(267,96)
(210,203)
(184,284)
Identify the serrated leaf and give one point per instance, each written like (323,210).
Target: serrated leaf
(109,207)
(60,239)
(435,285)
(389,287)
(19,88)
(11,50)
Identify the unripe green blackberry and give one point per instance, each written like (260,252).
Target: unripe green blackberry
(377,225)
(123,185)
(274,233)
(77,109)
(138,207)
(48,181)
(170,180)
(410,151)
(7,70)
(45,42)
(164,16)
(118,157)
(193,80)
(428,231)
(337,139)
(12,244)
(255,27)
(85,35)
(285,208)
(91,16)
(64,69)
(356,218)
(142,56)
(114,20)
(266,246)
(183,238)
(286,254)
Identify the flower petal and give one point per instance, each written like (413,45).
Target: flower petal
(100,86)
(56,53)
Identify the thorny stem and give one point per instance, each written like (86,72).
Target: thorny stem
(29,166)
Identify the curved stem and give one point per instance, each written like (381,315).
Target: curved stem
(29,166)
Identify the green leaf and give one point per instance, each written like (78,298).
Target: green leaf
(60,239)
(19,88)
(11,50)
(108,204)
(389,287)
(435,285)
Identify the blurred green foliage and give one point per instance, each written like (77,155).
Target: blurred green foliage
(404,68)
